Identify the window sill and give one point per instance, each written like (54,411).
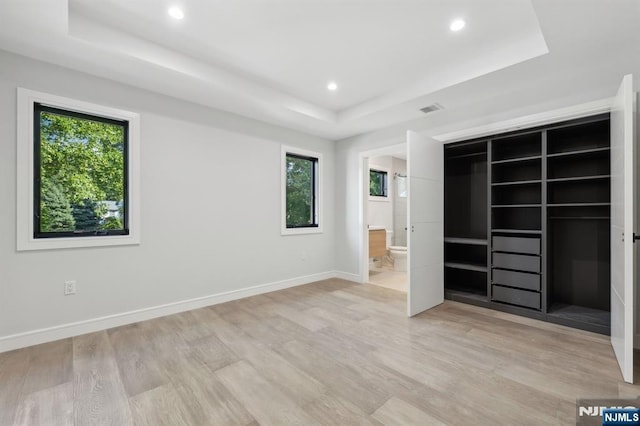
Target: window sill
(300,231)
(379,199)
(77,242)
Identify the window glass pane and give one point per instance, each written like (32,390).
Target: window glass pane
(82,186)
(300,191)
(402,186)
(377,183)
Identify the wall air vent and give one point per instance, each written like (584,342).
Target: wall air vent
(431,108)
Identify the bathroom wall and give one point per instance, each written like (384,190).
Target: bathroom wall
(399,204)
(392,211)
(379,209)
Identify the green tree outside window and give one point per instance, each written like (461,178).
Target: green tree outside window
(81,172)
(300,191)
(377,183)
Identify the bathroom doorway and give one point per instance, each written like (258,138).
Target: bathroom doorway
(385,217)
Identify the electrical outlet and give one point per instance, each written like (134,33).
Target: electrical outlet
(69,288)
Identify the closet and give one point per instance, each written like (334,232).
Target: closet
(527,222)
(465,211)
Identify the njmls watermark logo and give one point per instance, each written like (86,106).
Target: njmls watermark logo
(608,412)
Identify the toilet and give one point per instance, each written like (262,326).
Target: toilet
(399,256)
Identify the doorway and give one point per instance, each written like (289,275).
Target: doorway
(384,217)
(425,222)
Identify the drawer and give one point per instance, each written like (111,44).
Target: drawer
(516,279)
(517,245)
(515,296)
(516,261)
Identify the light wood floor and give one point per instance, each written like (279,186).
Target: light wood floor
(332,353)
(386,277)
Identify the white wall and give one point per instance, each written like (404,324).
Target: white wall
(347,198)
(210,210)
(380,209)
(399,204)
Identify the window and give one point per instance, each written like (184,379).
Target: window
(300,191)
(80,179)
(377,183)
(78,174)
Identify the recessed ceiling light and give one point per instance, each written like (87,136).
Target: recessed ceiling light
(457,24)
(175,12)
(333,86)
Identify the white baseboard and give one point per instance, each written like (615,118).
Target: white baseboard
(63,331)
(348,276)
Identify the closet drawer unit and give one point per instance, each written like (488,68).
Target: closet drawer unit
(516,261)
(514,296)
(517,245)
(516,279)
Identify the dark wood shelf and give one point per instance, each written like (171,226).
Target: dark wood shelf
(578,152)
(595,320)
(516,160)
(467,295)
(517,182)
(579,178)
(578,204)
(581,217)
(466,266)
(470,241)
(517,231)
(473,154)
(515,205)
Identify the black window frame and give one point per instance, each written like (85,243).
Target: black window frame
(385,183)
(314,194)
(38,108)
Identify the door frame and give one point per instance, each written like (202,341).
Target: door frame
(363,184)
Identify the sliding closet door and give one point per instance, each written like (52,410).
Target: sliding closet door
(623,217)
(425,269)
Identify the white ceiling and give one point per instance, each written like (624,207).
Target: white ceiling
(271,59)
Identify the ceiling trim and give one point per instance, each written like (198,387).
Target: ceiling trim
(119,43)
(528,121)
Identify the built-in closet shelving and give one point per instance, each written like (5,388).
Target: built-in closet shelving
(578,187)
(527,222)
(517,220)
(466,244)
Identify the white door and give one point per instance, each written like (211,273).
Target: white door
(623,217)
(425,233)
